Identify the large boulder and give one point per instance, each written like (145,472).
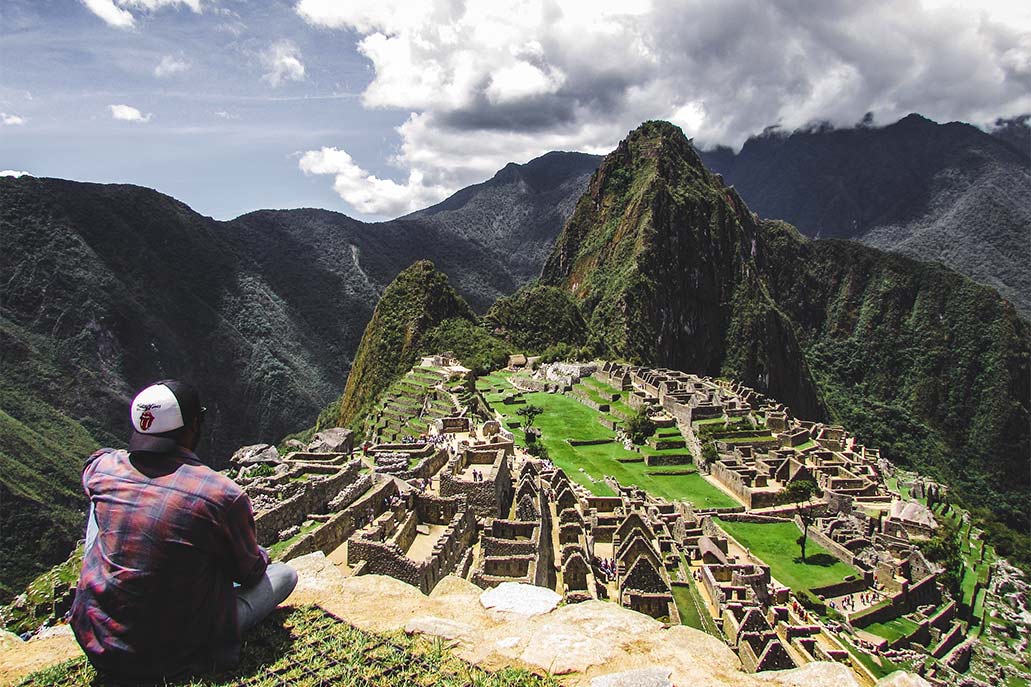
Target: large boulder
(254,454)
(522,599)
(333,440)
(590,644)
(902,679)
(9,640)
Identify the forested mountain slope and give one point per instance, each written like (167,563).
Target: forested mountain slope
(945,192)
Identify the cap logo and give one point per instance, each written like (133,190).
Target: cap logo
(147,417)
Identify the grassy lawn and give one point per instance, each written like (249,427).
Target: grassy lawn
(968,585)
(307,646)
(709,421)
(893,629)
(686,606)
(880,667)
(774,543)
(566,418)
(596,389)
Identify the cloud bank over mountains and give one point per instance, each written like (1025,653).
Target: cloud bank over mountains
(488,83)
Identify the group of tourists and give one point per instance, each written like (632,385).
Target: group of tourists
(848,603)
(477,476)
(607,567)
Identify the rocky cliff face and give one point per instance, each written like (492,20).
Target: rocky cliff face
(671,268)
(590,644)
(945,192)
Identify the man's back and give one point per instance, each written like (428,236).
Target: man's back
(156,596)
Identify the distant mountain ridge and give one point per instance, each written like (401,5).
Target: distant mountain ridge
(945,192)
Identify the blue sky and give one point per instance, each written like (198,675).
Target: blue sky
(377,109)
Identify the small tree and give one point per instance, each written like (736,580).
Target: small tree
(538,450)
(801,490)
(807,516)
(709,454)
(639,427)
(529,413)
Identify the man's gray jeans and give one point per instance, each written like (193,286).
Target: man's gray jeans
(255,602)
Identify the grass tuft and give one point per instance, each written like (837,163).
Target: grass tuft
(306,646)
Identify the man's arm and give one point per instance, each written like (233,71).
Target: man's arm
(247,560)
(92,528)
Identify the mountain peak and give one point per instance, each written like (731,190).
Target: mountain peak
(419,298)
(654,175)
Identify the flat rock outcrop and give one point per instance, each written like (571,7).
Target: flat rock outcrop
(589,644)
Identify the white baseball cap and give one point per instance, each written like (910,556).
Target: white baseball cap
(159,409)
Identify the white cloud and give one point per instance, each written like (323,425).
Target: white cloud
(365,192)
(127,113)
(170,65)
(14,173)
(116,12)
(113,15)
(223,114)
(11,119)
(489,83)
(282,60)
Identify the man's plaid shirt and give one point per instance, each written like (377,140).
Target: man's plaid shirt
(155,596)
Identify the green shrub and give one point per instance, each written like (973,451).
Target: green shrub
(639,426)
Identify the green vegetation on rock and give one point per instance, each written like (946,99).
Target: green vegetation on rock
(42,450)
(470,342)
(417,301)
(537,317)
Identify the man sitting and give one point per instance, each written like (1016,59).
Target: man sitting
(167,538)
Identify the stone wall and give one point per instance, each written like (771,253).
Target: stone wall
(453,425)
(588,401)
(380,549)
(922,593)
(343,524)
(314,497)
(490,498)
(751,517)
(668,459)
(948,641)
(858,584)
(833,547)
(350,493)
(735,484)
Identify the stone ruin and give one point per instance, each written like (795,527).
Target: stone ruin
(419,540)
(421,510)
